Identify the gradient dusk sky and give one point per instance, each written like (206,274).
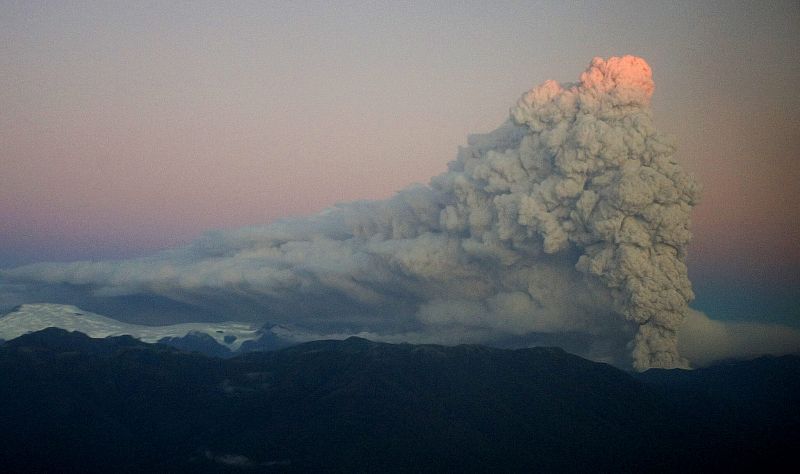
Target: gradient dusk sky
(129,127)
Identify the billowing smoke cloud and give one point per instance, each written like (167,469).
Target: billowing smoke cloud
(570,218)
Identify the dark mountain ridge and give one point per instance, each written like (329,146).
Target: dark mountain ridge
(72,403)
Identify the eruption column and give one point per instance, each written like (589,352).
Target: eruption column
(598,176)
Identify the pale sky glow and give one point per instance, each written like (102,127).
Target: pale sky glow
(128,127)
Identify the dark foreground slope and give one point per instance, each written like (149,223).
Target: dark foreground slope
(70,403)
(745,413)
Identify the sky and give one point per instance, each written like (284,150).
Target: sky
(131,127)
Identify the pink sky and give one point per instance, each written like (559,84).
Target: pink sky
(125,129)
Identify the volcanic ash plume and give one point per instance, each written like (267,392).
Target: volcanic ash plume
(577,178)
(589,171)
(601,178)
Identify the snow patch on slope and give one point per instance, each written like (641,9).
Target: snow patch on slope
(35,317)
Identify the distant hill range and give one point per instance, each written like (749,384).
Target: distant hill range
(224,339)
(69,403)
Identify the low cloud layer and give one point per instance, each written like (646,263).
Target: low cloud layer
(704,341)
(567,225)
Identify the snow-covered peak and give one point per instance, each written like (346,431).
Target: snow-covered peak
(35,317)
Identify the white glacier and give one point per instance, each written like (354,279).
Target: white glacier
(29,318)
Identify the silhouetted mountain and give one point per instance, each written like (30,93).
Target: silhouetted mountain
(217,339)
(747,412)
(266,341)
(198,342)
(71,403)
(213,339)
(59,340)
